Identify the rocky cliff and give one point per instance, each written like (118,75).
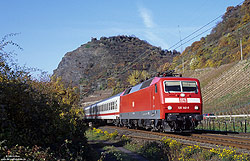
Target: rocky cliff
(99,63)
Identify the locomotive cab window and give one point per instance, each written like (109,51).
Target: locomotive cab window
(172,86)
(189,86)
(180,86)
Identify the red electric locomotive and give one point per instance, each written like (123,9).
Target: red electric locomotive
(161,103)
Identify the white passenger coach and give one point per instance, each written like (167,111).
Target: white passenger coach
(107,109)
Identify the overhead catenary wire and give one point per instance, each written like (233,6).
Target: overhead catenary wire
(235,31)
(210,29)
(195,32)
(181,41)
(194,37)
(126,69)
(144,54)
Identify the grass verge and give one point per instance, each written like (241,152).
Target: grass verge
(165,150)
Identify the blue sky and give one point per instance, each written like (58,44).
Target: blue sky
(51,28)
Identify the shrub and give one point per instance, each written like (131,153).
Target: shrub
(188,151)
(153,151)
(38,117)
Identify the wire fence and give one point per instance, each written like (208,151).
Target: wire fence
(227,123)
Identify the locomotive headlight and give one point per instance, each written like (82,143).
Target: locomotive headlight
(196,107)
(170,107)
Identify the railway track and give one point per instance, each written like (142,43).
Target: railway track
(238,142)
(205,140)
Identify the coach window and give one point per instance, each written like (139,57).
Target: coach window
(155,88)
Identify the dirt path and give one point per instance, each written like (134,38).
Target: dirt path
(98,145)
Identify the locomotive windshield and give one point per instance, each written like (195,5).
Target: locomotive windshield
(180,86)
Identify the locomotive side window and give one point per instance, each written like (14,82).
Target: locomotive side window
(127,91)
(189,86)
(172,86)
(146,83)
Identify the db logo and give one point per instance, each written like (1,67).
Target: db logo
(183,100)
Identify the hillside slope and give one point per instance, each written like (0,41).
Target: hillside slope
(107,63)
(222,45)
(225,89)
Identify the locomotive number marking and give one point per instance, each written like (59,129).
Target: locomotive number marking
(183,107)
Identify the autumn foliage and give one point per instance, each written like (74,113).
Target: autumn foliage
(222,45)
(44,114)
(137,77)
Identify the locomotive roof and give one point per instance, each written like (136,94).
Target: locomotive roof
(150,82)
(143,85)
